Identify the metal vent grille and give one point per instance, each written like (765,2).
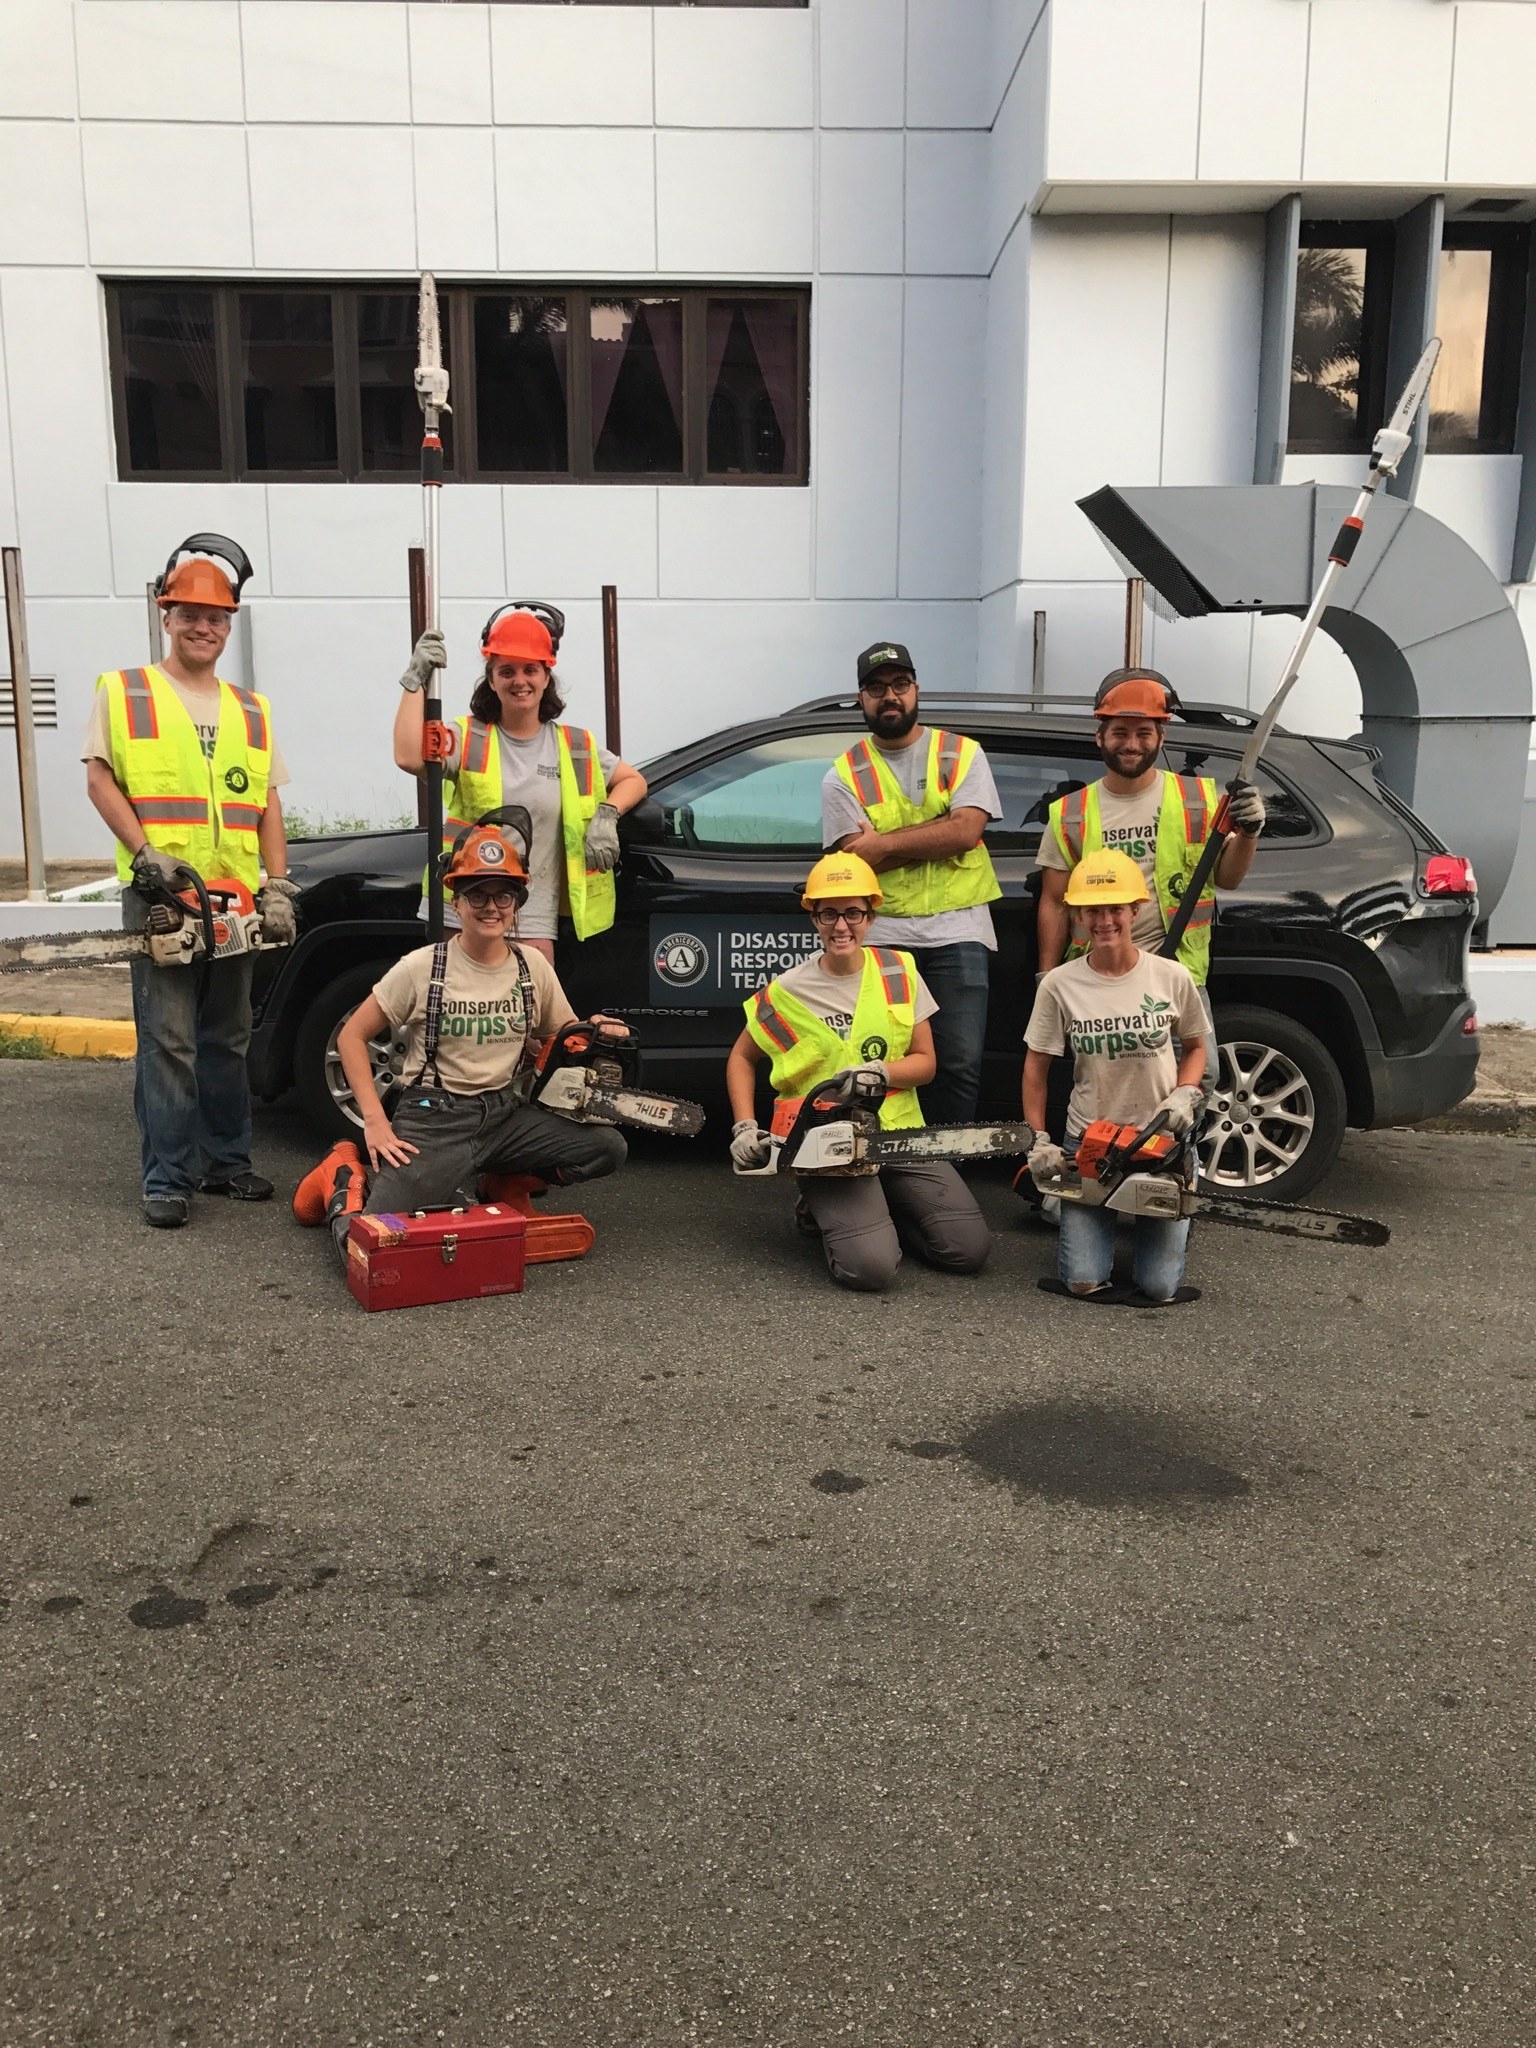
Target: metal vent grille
(45,704)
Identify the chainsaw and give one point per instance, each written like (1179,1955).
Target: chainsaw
(587,1072)
(836,1129)
(216,919)
(1150,1173)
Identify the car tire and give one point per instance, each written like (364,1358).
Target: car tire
(1269,1061)
(317,1078)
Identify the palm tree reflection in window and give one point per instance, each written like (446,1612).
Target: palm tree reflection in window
(1326,346)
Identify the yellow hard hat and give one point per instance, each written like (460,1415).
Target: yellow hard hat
(841,874)
(1106,878)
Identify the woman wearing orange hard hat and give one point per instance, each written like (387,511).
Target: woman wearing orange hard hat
(459,1118)
(855,1010)
(1135,1029)
(510,750)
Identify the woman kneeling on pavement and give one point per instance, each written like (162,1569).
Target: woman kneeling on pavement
(863,1009)
(460,1118)
(1119,1011)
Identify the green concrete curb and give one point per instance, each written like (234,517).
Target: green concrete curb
(79,1038)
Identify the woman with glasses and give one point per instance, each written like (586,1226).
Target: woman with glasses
(459,1118)
(860,1010)
(512,750)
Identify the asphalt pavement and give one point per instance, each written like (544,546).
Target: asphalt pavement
(684,1651)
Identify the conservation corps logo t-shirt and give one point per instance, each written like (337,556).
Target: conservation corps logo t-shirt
(483,1025)
(1120,1030)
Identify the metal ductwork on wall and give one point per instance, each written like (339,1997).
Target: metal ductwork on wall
(1445,679)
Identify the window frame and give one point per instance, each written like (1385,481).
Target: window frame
(1378,238)
(458,302)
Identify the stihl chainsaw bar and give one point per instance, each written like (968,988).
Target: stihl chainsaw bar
(1332,1226)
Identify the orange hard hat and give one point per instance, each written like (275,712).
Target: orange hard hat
(518,636)
(486,855)
(197,581)
(1134,693)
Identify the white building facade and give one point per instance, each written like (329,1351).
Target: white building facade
(899,281)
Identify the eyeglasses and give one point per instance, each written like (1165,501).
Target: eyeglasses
(489,899)
(827,919)
(896,689)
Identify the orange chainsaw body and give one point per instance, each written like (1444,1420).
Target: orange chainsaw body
(1103,1136)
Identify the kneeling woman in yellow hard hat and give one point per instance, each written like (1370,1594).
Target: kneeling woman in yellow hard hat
(859,1008)
(471,1007)
(1118,1011)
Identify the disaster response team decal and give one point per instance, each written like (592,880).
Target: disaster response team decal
(716,961)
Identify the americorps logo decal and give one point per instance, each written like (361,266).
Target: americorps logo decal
(681,959)
(237,780)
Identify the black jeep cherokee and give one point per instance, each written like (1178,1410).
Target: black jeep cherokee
(1338,970)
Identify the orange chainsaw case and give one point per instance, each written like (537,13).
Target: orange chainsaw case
(445,1255)
(1100,1136)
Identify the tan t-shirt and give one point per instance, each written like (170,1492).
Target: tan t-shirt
(1120,1030)
(1130,826)
(832,997)
(201,706)
(483,1024)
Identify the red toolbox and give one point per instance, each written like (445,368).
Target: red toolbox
(436,1255)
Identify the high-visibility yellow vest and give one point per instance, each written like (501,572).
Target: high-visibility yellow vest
(919,888)
(803,1049)
(475,788)
(1183,825)
(203,812)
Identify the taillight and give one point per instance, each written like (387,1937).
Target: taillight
(1448,874)
(1469,1029)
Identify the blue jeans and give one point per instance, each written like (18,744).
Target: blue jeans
(191,1094)
(1085,1251)
(957,978)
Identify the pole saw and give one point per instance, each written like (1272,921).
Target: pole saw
(1387,451)
(432,390)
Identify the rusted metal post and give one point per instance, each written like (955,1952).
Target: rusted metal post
(611,665)
(416,583)
(1135,602)
(156,625)
(26,731)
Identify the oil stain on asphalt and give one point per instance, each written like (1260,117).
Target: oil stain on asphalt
(1098,1456)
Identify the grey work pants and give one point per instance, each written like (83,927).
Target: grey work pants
(865,1219)
(462,1136)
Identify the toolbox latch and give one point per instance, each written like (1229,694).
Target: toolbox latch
(450,1246)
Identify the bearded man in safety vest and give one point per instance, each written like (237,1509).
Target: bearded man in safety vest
(1161,820)
(184,769)
(855,1009)
(913,802)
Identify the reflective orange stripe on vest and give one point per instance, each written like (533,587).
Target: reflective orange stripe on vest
(950,744)
(239,817)
(866,783)
(255,720)
(143,720)
(580,743)
(893,975)
(1074,814)
(477,748)
(772,1024)
(1194,809)
(171,810)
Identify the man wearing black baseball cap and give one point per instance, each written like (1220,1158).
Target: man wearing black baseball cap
(914,802)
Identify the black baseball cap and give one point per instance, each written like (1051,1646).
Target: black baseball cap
(885,654)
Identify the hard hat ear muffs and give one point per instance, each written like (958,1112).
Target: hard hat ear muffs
(510,631)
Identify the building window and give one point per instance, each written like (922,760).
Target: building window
(1339,343)
(557,384)
(1480,319)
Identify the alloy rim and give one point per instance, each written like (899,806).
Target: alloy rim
(1262,1117)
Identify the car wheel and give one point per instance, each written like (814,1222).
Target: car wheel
(322,1088)
(1277,1112)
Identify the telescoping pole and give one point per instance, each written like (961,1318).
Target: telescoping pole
(1387,451)
(432,390)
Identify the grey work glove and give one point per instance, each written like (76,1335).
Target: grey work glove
(1046,1162)
(155,871)
(750,1146)
(1182,1107)
(275,901)
(602,841)
(428,654)
(1245,810)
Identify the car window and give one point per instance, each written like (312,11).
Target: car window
(767,797)
(1286,816)
(1027,786)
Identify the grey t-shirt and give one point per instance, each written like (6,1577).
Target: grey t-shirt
(530,776)
(1120,1030)
(832,997)
(842,813)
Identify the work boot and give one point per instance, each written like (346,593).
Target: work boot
(239,1187)
(312,1196)
(167,1212)
(349,1191)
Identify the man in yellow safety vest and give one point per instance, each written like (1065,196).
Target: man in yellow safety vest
(913,802)
(184,769)
(1161,820)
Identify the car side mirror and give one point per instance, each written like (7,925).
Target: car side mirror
(645,825)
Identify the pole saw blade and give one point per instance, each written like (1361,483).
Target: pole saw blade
(431,377)
(48,952)
(1330,1226)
